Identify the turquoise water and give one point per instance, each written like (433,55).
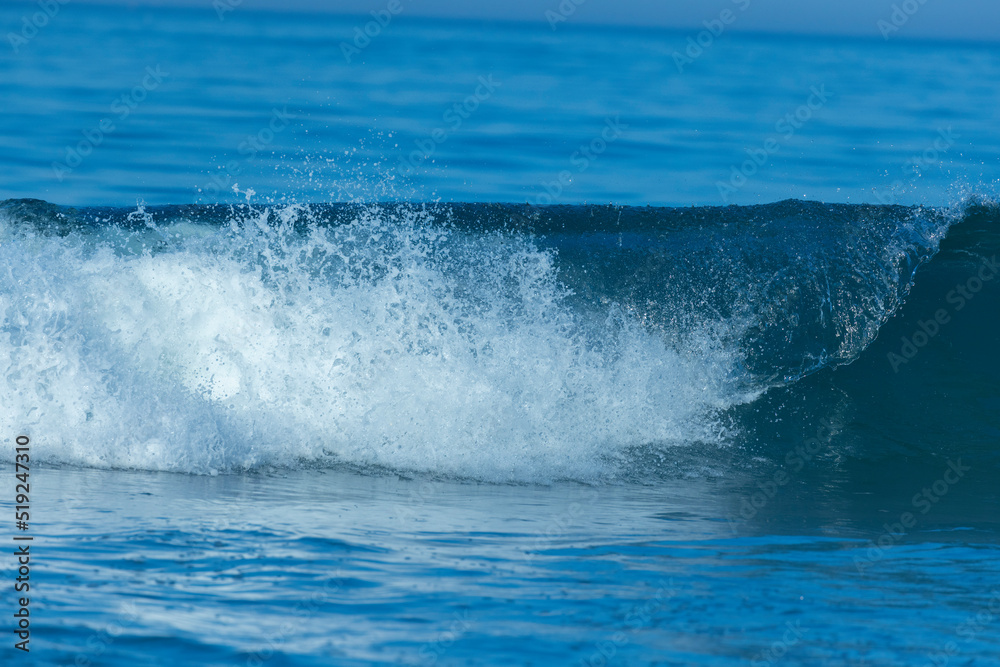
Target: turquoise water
(418,397)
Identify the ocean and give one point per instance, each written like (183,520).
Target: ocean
(381,340)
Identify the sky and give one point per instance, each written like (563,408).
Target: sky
(917,19)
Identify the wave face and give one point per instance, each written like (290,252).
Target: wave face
(496,342)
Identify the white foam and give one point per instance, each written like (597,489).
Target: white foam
(390,341)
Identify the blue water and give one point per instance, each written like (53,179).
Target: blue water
(355,122)
(318,369)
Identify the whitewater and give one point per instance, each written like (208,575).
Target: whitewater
(501,343)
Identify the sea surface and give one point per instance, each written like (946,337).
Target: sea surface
(497,344)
